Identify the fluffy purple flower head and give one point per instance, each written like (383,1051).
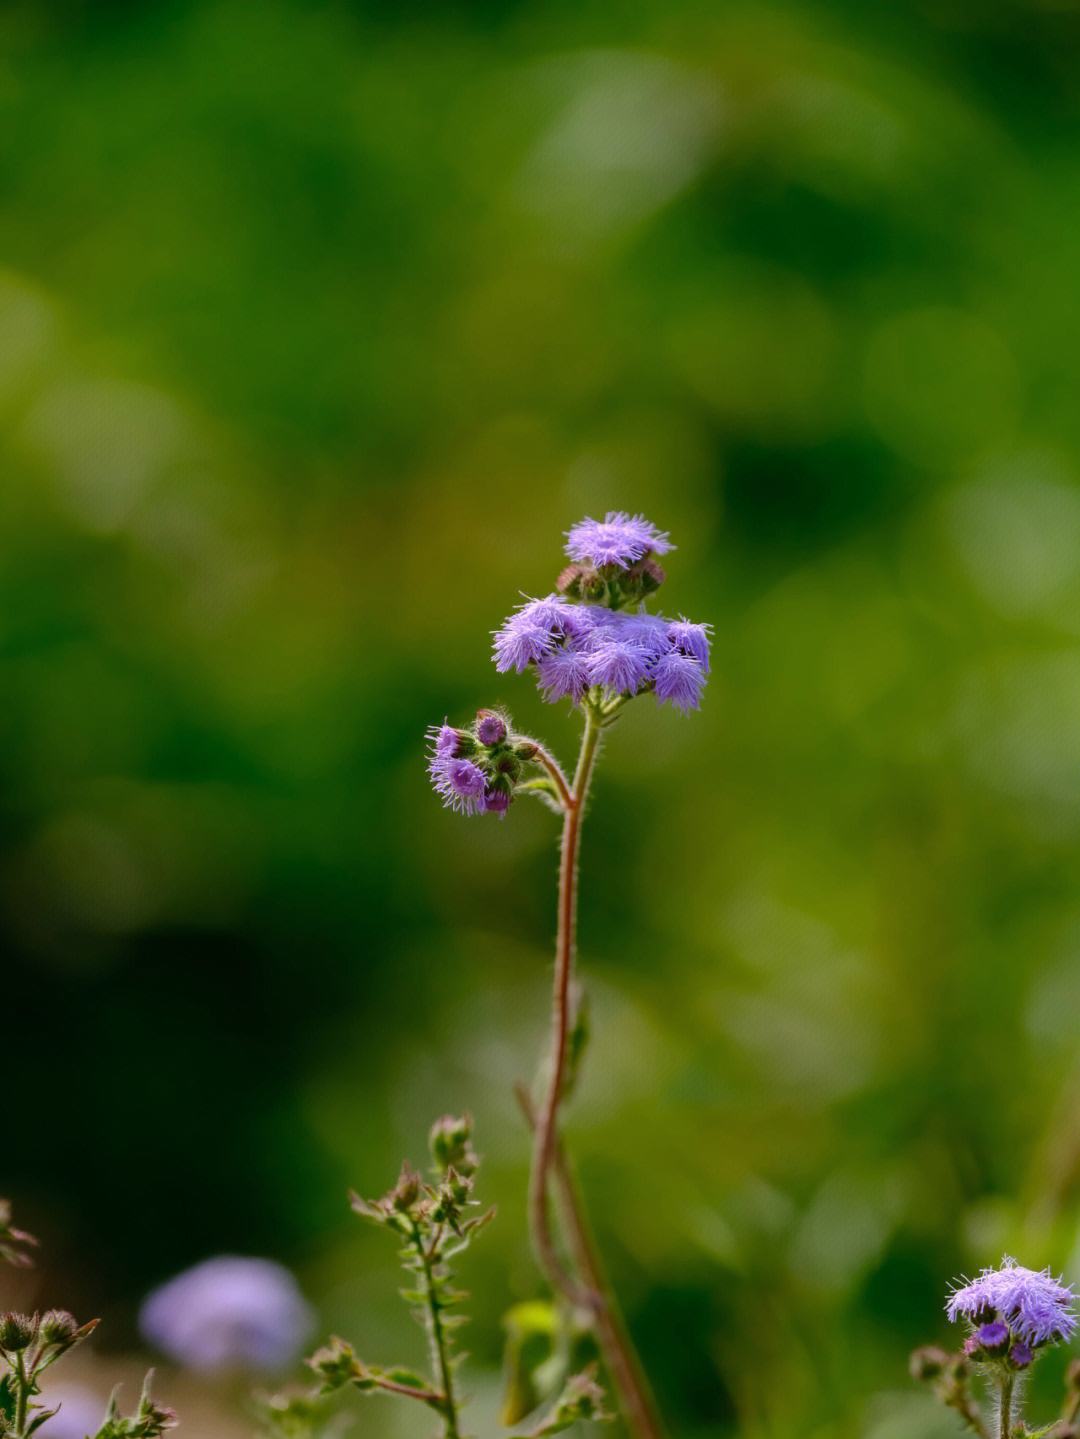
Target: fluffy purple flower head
(617,664)
(618,539)
(564,674)
(520,642)
(1036,1306)
(690,639)
(679,681)
(458,782)
(228,1313)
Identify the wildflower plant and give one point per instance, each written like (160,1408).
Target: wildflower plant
(594,643)
(32,1343)
(1013,1316)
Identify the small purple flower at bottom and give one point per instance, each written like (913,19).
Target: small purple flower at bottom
(618,539)
(1020,1355)
(459,783)
(679,681)
(228,1313)
(496,801)
(490,727)
(992,1338)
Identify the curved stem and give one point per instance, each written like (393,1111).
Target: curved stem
(555,770)
(547,1120)
(635,1399)
(618,1349)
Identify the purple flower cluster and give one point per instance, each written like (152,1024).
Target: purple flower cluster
(1029,1307)
(626,652)
(474,771)
(618,539)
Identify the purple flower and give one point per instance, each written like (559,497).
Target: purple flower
(993,1337)
(490,727)
(446,739)
(496,801)
(228,1313)
(617,539)
(458,782)
(519,643)
(80,1414)
(679,681)
(1020,1355)
(563,674)
(618,665)
(1035,1305)
(638,627)
(690,639)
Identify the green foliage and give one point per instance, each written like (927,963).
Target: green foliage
(32,1343)
(434,1223)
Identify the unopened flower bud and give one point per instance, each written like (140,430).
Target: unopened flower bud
(490,727)
(1021,1355)
(336,1365)
(992,1338)
(526,749)
(58,1328)
(451,1144)
(928,1363)
(407,1190)
(17,1331)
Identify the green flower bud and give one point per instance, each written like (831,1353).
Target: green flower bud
(929,1363)
(17,1331)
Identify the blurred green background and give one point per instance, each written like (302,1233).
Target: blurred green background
(319,323)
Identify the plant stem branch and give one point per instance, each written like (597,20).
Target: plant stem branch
(621,1358)
(547,1120)
(558,778)
(440,1348)
(410,1391)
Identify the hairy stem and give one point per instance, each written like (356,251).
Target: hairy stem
(622,1360)
(1005,1408)
(22,1397)
(589,1289)
(547,1119)
(555,770)
(440,1347)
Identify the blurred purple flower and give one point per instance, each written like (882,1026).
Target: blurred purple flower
(228,1313)
(81,1411)
(1035,1305)
(617,539)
